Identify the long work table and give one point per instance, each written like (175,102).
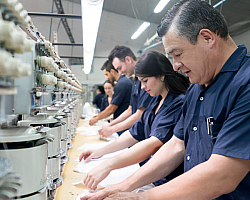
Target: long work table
(67,191)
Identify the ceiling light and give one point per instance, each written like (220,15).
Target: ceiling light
(160,6)
(140,30)
(91,15)
(220,2)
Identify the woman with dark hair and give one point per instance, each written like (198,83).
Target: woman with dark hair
(98,98)
(108,88)
(154,128)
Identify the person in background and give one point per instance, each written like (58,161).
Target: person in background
(121,97)
(98,98)
(108,88)
(124,61)
(212,135)
(154,128)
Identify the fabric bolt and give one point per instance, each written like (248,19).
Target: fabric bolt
(226,99)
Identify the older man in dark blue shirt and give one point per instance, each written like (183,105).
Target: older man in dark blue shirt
(213,133)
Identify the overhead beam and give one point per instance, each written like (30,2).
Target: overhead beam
(66,44)
(82,57)
(71,57)
(64,20)
(53,15)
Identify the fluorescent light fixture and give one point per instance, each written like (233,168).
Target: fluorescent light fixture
(88,62)
(160,6)
(140,30)
(91,15)
(220,2)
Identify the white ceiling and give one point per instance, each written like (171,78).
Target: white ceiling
(234,11)
(131,14)
(120,19)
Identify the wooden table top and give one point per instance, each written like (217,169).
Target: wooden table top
(67,191)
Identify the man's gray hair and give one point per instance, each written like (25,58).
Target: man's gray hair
(188,17)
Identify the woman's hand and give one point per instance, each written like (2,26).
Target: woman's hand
(88,155)
(96,175)
(106,131)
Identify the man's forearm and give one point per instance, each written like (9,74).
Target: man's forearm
(128,122)
(211,179)
(122,117)
(106,113)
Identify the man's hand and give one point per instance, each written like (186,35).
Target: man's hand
(102,194)
(106,131)
(95,176)
(88,155)
(93,121)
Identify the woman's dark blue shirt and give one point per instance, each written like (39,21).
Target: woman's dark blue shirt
(161,124)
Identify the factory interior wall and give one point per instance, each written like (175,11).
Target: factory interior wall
(243,38)
(105,40)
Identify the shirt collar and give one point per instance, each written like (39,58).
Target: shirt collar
(121,77)
(168,98)
(234,62)
(136,79)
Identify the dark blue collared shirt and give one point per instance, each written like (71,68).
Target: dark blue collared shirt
(98,100)
(105,103)
(227,100)
(161,124)
(121,96)
(139,97)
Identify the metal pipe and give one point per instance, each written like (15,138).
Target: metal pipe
(71,57)
(67,44)
(151,46)
(55,15)
(104,57)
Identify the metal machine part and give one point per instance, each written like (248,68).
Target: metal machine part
(27,150)
(52,190)
(40,195)
(9,181)
(54,149)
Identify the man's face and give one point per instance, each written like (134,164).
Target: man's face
(109,75)
(193,60)
(125,67)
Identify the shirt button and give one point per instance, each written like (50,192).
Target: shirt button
(188,157)
(201,98)
(195,128)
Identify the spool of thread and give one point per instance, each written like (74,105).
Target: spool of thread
(46,62)
(61,84)
(28,46)
(13,67)
(59,73)
(49,79)
(15,40)
(6,28)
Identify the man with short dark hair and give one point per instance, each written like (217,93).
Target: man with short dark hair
(124,61)
(212,135)
(121,97)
